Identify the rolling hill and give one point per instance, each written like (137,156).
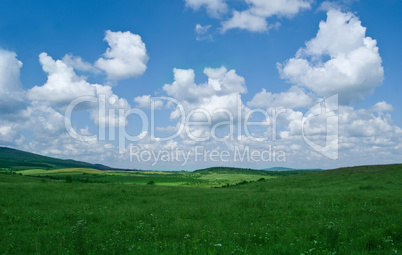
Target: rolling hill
(15,160)
(289,169)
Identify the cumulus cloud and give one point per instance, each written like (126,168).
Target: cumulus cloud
(295,97)
(145,102)
(78,63)
(218,96)
(254,18)
(382,107)
(353,69)
(126,56)
(220,82)
(214,7)
(10,71)
(369,130)
(245,20)
(11,93)
(63,86)
(9,132)
(48,136)
(366,123)
(44,121)
(285,8)
(111,104)
(41,109)
(360,133)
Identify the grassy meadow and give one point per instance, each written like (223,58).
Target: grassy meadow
(345,211)
(212,177)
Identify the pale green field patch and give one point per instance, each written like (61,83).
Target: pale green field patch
(233,177)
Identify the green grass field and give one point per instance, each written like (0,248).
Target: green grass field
(345,211)
(215,177)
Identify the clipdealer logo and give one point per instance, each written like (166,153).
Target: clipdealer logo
(319,130)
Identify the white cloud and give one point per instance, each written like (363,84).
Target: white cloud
(292,121)
(220,82)
(222,91)
(201,33)
(112,105)
(78,63)
(381,107)
(270,8)
(12,98)
(62,85)
(145,102)
(353,69)
(293,98)
(365,123)
(43,121)
(254,18)
(64,146)
(214,8)
(9,71)
(9,132)
(125,58)
(245,20)
(40,110)
(11,93)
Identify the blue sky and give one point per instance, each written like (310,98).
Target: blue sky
(253,44)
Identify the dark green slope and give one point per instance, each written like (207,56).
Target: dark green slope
(13,159)
(235,170)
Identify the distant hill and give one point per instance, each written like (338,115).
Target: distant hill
(234,170)
(278,169)
(19,160)
(288,169)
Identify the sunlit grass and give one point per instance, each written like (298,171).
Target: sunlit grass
(204,179)
(63,171)
(233,177)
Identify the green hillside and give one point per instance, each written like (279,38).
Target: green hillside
(278,169)
(232,170)
(15,160)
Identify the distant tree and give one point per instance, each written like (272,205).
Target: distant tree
(151,183)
